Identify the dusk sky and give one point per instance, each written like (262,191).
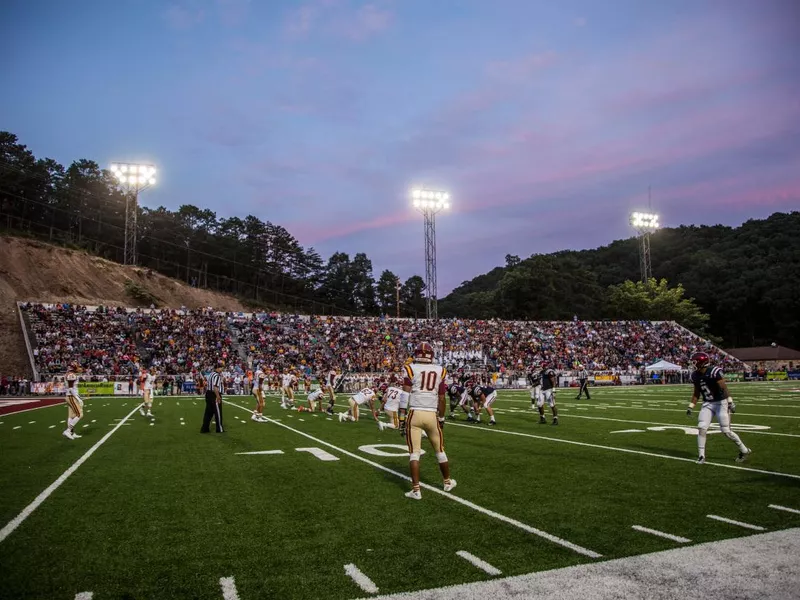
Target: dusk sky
(546,121)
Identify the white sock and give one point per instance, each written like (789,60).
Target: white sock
(72,422)
(701,442)
(736,440)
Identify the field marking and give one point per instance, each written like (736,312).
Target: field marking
(84,596)
(319,453)
(228,586)
(481,564)
(627,450)
(748,431)
(669,536)
(785,509)
(17,412)
(263,452)
(448,495)
(26,512)
(361,580)
(739,523)
(18,427)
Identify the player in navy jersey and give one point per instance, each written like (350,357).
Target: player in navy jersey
(547,394)
(709,385)
(484,397)
(458,397)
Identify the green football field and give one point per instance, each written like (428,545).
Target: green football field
(307,507)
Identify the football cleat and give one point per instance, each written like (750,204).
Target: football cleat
(141,412)
(542,421)
(701,460)
(492,422)
(255,417)
(743,456)
(448,487)
(342,417)
(75,436)
(381,425)
(555,420)
(68,434)
(414,495)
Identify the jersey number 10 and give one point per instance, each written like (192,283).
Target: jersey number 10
(428,382)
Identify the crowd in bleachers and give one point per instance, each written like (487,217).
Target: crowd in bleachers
(113,341)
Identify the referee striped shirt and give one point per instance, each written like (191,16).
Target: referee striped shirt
(214,382)
(584,374)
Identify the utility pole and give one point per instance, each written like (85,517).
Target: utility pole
(397,296)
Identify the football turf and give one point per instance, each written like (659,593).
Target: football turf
(162,511)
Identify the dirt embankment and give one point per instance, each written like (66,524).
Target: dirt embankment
(36,271)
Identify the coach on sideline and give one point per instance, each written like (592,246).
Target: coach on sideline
(213,400)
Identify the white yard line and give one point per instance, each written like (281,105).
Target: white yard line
(361,580)
(477,562)
(26,512)
(626,450)
(785,509)
(739,523)
(449,496)
(228,586)
(262,452)
(84,596)
(669,536)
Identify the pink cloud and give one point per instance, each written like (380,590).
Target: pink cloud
(311,233)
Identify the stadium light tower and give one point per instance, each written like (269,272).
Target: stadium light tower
(429,202)
(134,178)
(644,224)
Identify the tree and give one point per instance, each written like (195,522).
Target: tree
(387,293)
(363,285)
(655,301)
(412,295)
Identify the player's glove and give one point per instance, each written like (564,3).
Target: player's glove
(688,411)
(441,422)
(731,405)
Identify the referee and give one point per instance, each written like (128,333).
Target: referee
(213,400)
(583,378)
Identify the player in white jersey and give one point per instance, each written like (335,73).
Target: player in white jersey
(149,388)
(259,378)
(74,404)
(365,396)
(393,400)
(313,399)
(328,383)
(424,382)
(288,381)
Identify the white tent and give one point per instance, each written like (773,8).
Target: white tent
(663,365)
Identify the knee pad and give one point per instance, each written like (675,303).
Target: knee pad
(413,456)
(441,457)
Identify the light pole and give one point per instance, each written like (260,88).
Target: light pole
(644,224)
(134,178)
(429,202)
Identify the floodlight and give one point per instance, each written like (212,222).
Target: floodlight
(644,221)
(123,168)
(446,205)
(152,181)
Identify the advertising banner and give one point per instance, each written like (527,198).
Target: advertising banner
(121,388)
(794,375)
(49,388)
(96,389)
(734,376)
(777,376)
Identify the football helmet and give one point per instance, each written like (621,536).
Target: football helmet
(700,360)
(423,352)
